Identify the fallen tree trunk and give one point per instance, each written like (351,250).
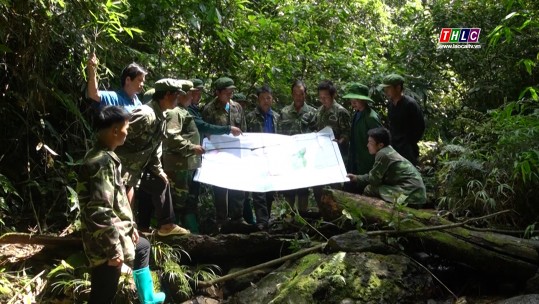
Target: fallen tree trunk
(491,253)
(199,247)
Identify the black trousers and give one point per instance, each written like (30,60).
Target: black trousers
(262,202)
(228,203)
(105,278)
(154,195)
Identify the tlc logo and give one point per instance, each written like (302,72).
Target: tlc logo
(459,35)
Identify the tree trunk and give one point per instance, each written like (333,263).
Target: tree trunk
(199,247)
(491,253)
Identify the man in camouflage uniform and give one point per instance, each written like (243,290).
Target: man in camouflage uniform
(108,232)
(181,156)
(263,120)
(392,175)
(223,111)
(333,115)
(204,128)
(142,152)
(298,118)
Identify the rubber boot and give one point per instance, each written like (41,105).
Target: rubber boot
(144,283)
(190,222)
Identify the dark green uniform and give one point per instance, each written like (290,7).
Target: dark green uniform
(360,161)
(393,175)
(179,159)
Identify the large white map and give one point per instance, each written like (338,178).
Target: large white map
(261,162)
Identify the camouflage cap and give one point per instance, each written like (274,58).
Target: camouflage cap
(239,97)
(357,91)
(392,80)
(148,95)
(187,85)
(224,83)
(197,83)
(168,84)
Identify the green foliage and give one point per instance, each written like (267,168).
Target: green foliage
(494,167)
(180,280)
(45,45)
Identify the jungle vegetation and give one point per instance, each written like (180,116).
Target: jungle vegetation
(481,104)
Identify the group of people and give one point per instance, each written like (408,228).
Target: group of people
(155,147)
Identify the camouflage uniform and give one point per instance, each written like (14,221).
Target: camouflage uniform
(141,153)
(294,122)
(298,122)
(228,202)
(203,127)
(142,148)
(215,113)
(393,175)
(106,218)
(255,121)
(338,118)
(179,159)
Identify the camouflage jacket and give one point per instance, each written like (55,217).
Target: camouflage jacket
(143,146)
(182,137)
(255,121)
(204,127)
(215,113)
(294,122)
(336,117)
(393,175)
(106,218)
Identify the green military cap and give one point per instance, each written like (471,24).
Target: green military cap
(239,97)
(148,95)
(392,80)
(357,91)
(168,84)
(197,83)
(224,83)
(187,85)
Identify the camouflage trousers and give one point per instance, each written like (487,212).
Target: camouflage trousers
(183,201)
(391,194)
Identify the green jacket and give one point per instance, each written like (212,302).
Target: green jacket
(393,175)
(182,137)
(204,127)
(255,121)
(106,219)
(360,161)
(294,122)
(143,146)
(215,113)
(338,119)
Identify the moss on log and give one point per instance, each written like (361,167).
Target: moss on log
(490,253)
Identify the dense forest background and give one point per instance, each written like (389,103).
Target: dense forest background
(481,105)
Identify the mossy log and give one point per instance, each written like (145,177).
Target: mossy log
(199,247)
(491,253)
